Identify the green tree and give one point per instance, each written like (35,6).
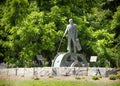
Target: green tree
(115,26)
(32,27)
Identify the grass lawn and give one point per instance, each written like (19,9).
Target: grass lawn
(56,83)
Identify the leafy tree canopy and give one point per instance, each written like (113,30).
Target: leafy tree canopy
(32,27)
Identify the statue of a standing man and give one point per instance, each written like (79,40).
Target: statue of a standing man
(72,37)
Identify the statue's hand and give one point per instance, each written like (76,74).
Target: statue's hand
(77,39)
(63,37)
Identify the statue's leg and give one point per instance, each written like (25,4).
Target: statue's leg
(69,45)
(74,45)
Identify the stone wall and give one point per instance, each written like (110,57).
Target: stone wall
(57,71)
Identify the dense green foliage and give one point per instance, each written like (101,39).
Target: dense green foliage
(96,77)
(32,27)
(118,75)
(112,77)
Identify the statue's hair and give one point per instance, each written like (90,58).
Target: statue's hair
(70,19)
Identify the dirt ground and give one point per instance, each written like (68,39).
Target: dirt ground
(69,78)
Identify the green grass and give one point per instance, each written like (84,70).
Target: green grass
(55,83)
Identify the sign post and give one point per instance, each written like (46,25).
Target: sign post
(94,59)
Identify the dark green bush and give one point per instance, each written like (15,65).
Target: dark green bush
(77,77)
(112,77)
(95,77)
(50,76)
(35,78)
(118,75)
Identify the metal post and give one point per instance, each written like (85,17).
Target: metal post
(59,44)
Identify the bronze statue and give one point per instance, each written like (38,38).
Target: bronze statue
(72,37)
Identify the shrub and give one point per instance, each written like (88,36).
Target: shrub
(35,78)
(22,76)
(95,77)
(118,75)
(77,77)
(100,76)
(112,77)
(50,76)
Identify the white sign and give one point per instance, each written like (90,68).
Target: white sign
(93,58)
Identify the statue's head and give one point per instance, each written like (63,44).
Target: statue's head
(70,21)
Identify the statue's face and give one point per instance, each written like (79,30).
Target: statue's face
(70,21)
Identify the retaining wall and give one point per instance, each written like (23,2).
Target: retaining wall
(58,71)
